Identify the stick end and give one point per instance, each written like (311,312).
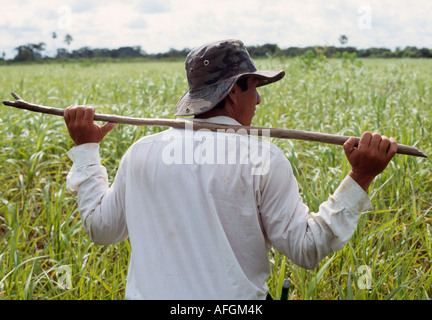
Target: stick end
(17,97)
(420,154)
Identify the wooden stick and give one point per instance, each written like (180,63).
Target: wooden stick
(197,125)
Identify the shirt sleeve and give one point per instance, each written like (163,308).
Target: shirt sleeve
(306,237)
(101,207)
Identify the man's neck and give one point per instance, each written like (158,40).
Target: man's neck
(213,113)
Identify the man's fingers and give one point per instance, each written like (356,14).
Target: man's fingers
(66,115)
(375,141)
(384,144)
(107,128)
(392,149)
(365,140)
(79,114)
(349,146)
(76,115)
(89,115)
(69,115)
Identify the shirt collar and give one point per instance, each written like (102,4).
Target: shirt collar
(219,119)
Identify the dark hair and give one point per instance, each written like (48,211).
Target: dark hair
(242,83)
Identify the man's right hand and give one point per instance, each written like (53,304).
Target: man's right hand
(370,158)
(82,129)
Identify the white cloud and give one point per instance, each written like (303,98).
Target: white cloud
(160,25)
(151,6)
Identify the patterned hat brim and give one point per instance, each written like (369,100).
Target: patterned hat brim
(199,101)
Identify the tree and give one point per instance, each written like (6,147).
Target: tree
(54,37)
(37,49)
(265,50)
(29,51)
(423,53)
(343,39)
(68,39)
(62,53)
(24,53)
(84,52)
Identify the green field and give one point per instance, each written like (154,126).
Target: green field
(45,254)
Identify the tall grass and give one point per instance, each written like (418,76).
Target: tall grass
(45,254)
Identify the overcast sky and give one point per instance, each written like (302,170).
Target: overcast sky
(159,25)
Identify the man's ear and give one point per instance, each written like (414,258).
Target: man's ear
(232,95)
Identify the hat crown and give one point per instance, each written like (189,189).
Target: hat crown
(217,61)
(212,70)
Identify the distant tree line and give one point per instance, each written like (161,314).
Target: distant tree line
(336,52)
(34,52)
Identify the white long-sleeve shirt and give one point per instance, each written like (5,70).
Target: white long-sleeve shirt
(202,209)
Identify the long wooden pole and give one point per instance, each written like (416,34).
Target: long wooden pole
(197,125)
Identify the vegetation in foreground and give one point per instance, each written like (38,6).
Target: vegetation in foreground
(45,254)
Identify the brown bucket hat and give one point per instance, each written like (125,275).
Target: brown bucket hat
(212,70)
